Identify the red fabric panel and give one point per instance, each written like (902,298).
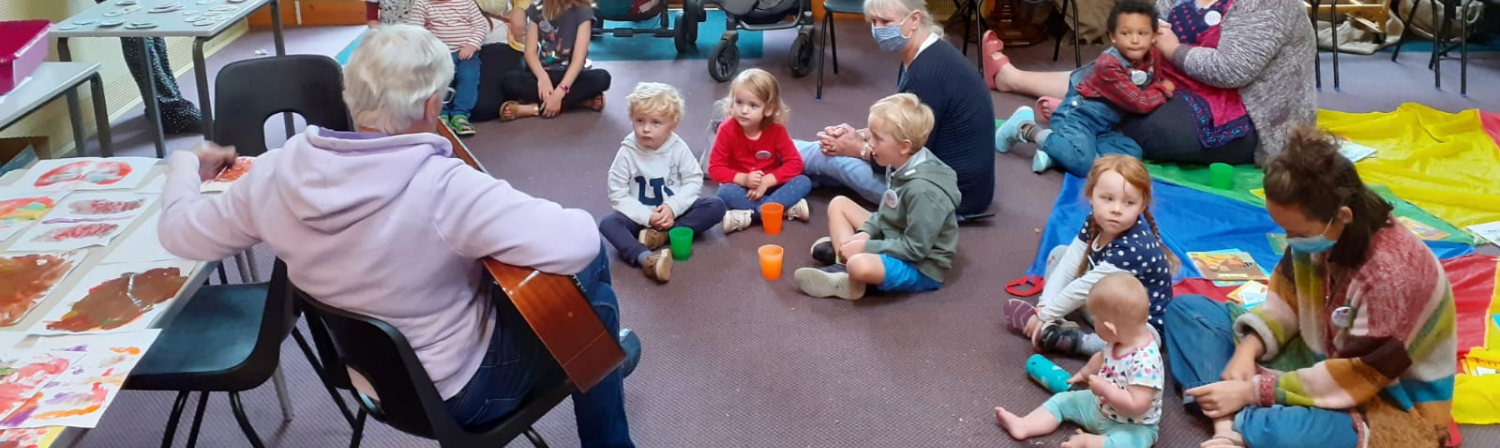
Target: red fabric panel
(1491,123)
(1473,280)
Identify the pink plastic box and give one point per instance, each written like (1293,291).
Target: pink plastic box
(23,46)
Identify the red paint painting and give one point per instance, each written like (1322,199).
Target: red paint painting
(105,206)
(20,378)
(234,172)
(121,300)
(27,279)
(80,231)
(100,173)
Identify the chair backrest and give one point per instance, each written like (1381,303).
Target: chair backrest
(250,91)
(408,400)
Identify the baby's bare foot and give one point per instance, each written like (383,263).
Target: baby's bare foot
(1011,423)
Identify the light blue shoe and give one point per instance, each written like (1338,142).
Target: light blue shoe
(631,343)
(1010,131)
(1041,162)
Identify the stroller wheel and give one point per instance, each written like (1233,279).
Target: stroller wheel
(802,55)
(723,61)
(685,35)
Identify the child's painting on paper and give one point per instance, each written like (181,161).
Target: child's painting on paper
(29,437)
(85,219)
(227,178)
(143,244)
(19,209)
(24,373)
(116,297)
(26,279)
(88,173)
(78,396)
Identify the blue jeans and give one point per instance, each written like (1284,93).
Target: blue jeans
(1200,341)
(839,171)
(465,86)
(620,231)
(1084,129)
(515,358)
(787,194)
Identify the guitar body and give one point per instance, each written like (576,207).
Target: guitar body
(555,308)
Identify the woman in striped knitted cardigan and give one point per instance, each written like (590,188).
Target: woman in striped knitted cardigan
(1355,345)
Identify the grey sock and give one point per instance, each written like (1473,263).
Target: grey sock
(1041,136)
(640,260)
(1091,344)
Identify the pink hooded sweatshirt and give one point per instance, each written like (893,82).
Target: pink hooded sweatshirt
(386,226)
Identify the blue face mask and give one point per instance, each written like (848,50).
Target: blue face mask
(1312,244)
(889,37)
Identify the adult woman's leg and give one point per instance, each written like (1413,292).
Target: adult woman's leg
(1169,135)
(600,413)
(837,171)
(1295,426)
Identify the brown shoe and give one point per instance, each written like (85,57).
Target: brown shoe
(658,266)
(652,238)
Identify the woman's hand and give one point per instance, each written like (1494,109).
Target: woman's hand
(213,159)
(1242,366)
(1224,398)
(1166,41)
(841,140)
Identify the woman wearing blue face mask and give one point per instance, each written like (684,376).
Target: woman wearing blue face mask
(943,79)
(1356,335)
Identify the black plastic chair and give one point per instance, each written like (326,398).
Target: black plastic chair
(409,401)
(227,338)
(252,90)
(831,7)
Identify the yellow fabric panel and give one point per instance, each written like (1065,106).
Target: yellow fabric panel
(1440,161)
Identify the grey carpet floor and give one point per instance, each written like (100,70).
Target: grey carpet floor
(733,360)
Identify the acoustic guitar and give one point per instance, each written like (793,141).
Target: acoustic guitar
(555,308)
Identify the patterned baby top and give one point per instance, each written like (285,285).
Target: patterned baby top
(1140,252)
(1142,366)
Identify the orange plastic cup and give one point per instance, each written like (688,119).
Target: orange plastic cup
(770,217)
(770,261)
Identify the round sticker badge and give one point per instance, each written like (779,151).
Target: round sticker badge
(1138,77)
(890,199)
(763,155)
(1342,317)
(1213,18)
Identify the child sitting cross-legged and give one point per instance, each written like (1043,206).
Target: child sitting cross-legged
(654,184)
(1122,405)
(909,243)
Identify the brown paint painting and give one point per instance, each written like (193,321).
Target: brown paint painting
(25,281)
(121,300)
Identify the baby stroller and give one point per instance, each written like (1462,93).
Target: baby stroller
(762,15)
(684,35)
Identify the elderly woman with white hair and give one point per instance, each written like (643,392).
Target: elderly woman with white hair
(945,81)
(384,222)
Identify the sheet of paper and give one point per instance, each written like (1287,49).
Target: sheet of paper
(227,178)
(156,185)
(30,437)
(117,297)
(20,208)
(1250,294)
(79,396)
(84,220)
(24,373)
(88,173)
(1355,151)
(27,279)
(143,245)
(1488,231)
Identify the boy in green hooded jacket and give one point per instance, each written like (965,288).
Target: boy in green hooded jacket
(908,244)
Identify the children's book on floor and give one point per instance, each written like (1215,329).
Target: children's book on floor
(1229,264)
(1488,231)
(1250,294)
(1355,151)
(1421,230)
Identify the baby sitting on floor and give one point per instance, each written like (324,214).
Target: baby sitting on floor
(1122,405)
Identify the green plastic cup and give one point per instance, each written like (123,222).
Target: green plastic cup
(682,243)
(1221,176)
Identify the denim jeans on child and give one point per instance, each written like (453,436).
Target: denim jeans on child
(839,171)
(787,194)
(515,358)
(704,214)
(465,86)
(1084,129)
(1200,341)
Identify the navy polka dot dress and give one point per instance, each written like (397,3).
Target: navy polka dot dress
(1140,252)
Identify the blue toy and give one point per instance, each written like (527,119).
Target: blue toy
(1047,373)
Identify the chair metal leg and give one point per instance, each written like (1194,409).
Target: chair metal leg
(833,41)
(1405,26)
(279,381)
(1334,31)
(1438,41)
(822,51)
(317,366)
(536,439)
(1077,51)
(1463,49)
(1057,46)
(359,429)
(250,266)
(239,415)
(176,416)
(1317,53)
(197,419)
